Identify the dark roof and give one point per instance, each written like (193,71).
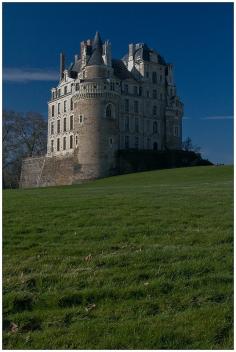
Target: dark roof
(121,71)
(96,58)
(97,42)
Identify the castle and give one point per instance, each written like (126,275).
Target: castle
(102,105)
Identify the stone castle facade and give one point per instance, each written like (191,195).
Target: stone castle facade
(102,105)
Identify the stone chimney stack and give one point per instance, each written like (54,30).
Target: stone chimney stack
(62,65)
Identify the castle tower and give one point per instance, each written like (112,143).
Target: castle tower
(96,105)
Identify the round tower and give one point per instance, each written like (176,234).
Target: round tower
(96,108)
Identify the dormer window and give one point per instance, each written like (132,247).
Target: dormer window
(65,90)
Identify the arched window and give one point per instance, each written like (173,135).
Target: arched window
(154,127)
(155,146)
(109,111)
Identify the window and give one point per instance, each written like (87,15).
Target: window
(154,110)
(155,146)
(64,124)
(58,92)
(147,74)
(126,105)
(81,119)
(76,140)
(64,143)
(71,104)
(127,142)
(136,106)
(52,127)
(155,127)
(148,143)
(154,94)
(58,126)
(160,78)
(71,123)
(136,143)
(135,90)
(58,144)
(58,108)
(176,131)
(126,88)
(154,77)
(127,123)
(111,142)
(136,124)
(65,106)
(148,125)
(109,111)
(52,145)
(53,110)
(71,142)
(161,96)
(65,90)
(147,93)
(140,91)
(77,86)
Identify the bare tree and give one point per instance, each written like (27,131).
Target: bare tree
(24,135)
(187,145)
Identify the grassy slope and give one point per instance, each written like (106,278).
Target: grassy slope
(160,270)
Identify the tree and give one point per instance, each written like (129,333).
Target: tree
(187,145)
(24,135)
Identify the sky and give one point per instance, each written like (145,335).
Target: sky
(197,38)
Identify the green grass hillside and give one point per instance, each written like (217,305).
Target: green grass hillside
(139,261)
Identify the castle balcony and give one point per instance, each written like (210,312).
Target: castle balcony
(97,89)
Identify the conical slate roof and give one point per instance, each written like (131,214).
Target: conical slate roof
(96,57)
(97,42)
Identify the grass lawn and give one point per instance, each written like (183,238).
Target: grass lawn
(139,261)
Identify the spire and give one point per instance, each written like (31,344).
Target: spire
(97,42)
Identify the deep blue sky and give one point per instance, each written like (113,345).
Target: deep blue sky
(196,37)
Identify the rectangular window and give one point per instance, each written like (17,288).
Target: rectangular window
(148,143)
(148,125)
(52,145)
(160,78)
(71,142)
(58,144)
(71,122)
(126,88)
(140,91)
(147,74)
(136,143)
(135,90)
(53,110)
(52,127)
(127,123)
(58,126)
(64,125)
(111,142)
(154,77)
(136,125)
(136,106)
(161,96)
(81,119)
(64,143)
(176,131)
(77,86)
(58,92)
(76,140)
(65,106)
(65,90)
(58,108)
(154,94)
(71,104)
(154,110)
(126,105)
(147,93)
(126,142)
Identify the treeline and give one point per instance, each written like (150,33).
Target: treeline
(23,135)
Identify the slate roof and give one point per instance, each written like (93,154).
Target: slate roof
(121,71)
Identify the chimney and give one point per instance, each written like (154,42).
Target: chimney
(62,65)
